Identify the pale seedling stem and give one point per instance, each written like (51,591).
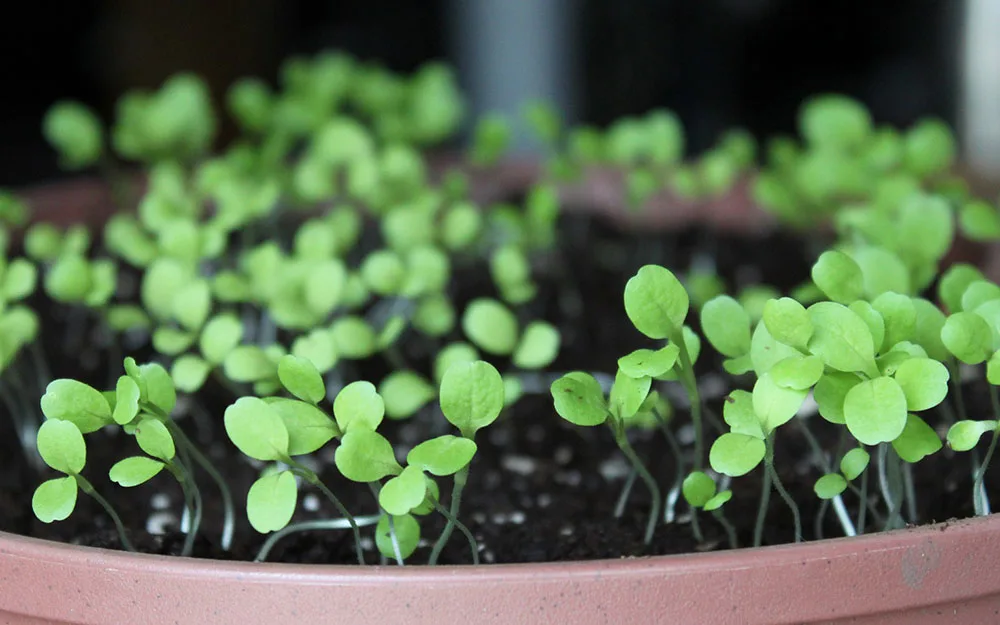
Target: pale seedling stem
(765,499)
(654,489)
(626,491)
(313,479)
(88,488)
(456,503)
(778,486)
(838,502)
(888,481)
(734,543)
(980,499)
(473,545)
(395,541)
(308,526)
(675,489)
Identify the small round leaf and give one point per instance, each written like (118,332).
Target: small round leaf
(256,429)
(444,455)
(271,501)
(54,499)
(61,446)
(133,471)
(656,302)
(472,396)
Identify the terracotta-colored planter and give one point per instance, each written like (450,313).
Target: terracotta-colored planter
(922,575)
(932,574)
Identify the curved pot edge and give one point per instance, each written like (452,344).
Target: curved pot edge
(935,566)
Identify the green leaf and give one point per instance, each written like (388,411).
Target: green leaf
(788,322)
(873,319)
(404,393)
(219,337)
(69,400)
(579,399)
(154,438)
(365,456)
(993,369)
(353,337)
(76,132)
(830,485)
(248,363)
(736,454)
(899,316)
(192,305)
(649,363)
(126,400)
(309,428)
(472,396)
(698,488)
(765,351)
(964,435)
(797,372)
(968,337)
(159,385)
(271,501)
(54,499)
(538,347)
(718,501)
(924,382)
(953,284)
(838,276)
(404,492)
(978,293)
(726,326)
(172,341)
(358,406)
(841,338)
(830,393)
(318,348)
(133,471)
(627,395)
(324,284)
(775,405)
(19,279)
(917,441)
(854,463)
(443,455)
(875,411)
(256,429)
(656,302)
(740,416)
(161,283)
(980,221)
(189,373)
(61,446)
(301,379)
(883,271)
(491,326)
(407,532)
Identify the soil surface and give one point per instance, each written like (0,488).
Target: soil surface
(539,489)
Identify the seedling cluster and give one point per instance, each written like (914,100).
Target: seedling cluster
(325,242)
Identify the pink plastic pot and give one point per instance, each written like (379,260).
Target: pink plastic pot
(924,575)
(932,574)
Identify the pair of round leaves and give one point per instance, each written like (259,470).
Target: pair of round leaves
(699,491)
(444,455)
(852,465)
(656,302)
(493,328)
(61,446)
(154,438)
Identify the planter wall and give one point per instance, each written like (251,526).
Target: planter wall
(933,574)
(923,575)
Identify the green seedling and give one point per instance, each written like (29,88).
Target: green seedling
(700,491)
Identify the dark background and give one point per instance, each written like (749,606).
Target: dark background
(717,63)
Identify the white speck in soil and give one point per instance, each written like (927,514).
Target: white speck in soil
(522,465)
(499,518)
(544,500)
(159,501)
(367,543)
(685,434)
(569,478)
(614,468)
(158,522)
(310,502)
(478,518)
(536,433)
(488,557)
(517,517)
(567,530)
(563,454)
(500,436)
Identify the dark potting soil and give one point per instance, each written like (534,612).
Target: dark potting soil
(540,490)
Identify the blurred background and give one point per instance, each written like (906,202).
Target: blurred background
(717,63)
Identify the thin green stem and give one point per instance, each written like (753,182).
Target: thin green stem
(228,510)
(626,491)
(890,488)
(646,476)
(313,479)
(394,539)
(690,385)
(473,544)
(193,504)
(675,489)
(765,500)
(778,486)
(456,503)
(734,543)
(863,505)
(88,488)
(308,526)
(980,500)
